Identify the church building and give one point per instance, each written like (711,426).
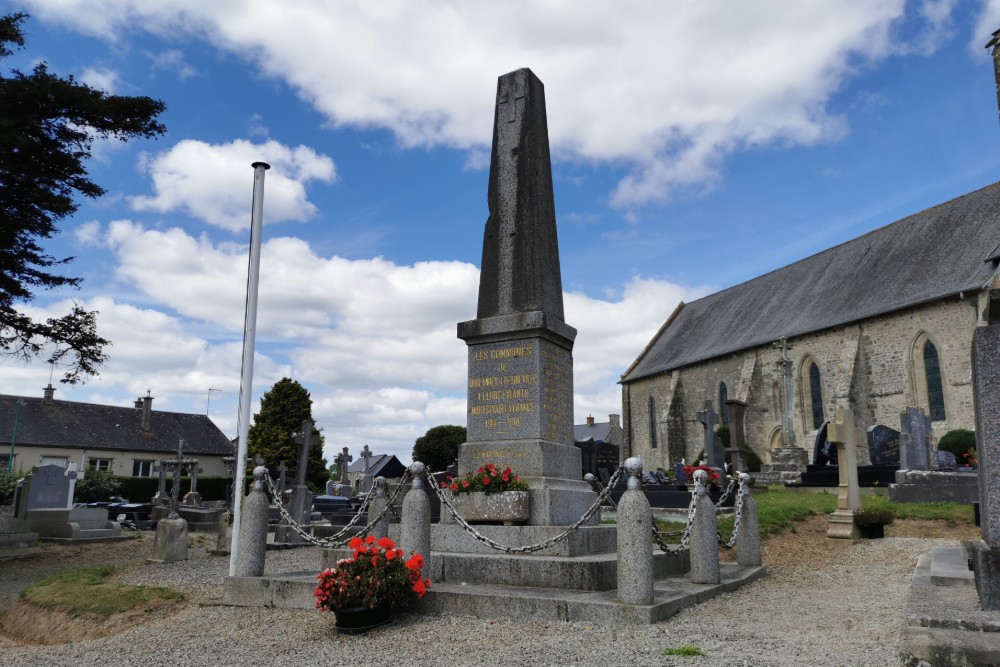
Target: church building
(873,325)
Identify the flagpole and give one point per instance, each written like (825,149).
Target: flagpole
(249,342)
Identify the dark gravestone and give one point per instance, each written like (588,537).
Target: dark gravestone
(48,487)
(663,477)
(883,445)
(604,475)
(823,451)
(679,471)
(946,460)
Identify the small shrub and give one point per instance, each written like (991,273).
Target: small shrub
(865,518)
(8,483)
(96,486)
(683,650)
(958,442)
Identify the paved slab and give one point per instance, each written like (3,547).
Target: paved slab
(950,567)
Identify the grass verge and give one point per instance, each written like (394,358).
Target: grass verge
(85,591)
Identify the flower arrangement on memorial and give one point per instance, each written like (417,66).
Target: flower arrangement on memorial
(689,473)
(377,575)
(488,479)
(971,458)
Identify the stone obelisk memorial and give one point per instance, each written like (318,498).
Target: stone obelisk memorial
(520,405)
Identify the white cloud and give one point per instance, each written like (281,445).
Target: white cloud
(173,60)
(100,78)
(214,183)
(671,89)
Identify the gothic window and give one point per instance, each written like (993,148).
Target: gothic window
(816,395)
(652,422)
(935,390)
(723,408)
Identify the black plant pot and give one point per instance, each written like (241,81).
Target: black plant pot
(873,532)
(355,620)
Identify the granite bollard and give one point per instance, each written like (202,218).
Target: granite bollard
(985,392)
(253,529)
(415,525)
(635,554)
(748,539)
(704,535)
(171,542)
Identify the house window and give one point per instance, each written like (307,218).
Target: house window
(60,461)
(142,468)
(935,390)
(816,395)
(103,465)
(652,423)
(723,407)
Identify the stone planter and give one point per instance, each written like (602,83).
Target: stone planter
(508,508)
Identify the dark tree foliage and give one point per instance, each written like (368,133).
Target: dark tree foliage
(47,127)
(282,410)
(438,448)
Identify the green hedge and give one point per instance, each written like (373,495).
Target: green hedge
(142,489)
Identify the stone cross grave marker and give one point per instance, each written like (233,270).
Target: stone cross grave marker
(175,490)
(844,434)
(282,484)
(161,488)
(343,458)
(366,479)
(304,440)
(715,455)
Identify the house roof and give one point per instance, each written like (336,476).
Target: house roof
(107,427)
(376,464)
(597,431)
(940,252)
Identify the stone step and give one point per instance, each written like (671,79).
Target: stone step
(586,540)
(950,567)
(18,541)
(294,590)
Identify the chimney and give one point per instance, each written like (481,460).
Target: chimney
(138,403)
(147,412)
(49,394)
(590,420)
(616,421)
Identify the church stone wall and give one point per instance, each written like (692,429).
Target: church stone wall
(875,365)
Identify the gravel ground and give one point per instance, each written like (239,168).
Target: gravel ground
(823,603)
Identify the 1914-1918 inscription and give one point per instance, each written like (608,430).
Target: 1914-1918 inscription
(519,389)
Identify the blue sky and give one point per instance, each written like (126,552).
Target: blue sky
(696,145)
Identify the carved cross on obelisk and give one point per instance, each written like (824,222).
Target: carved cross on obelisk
(788,414)
(175,490)
(715,455)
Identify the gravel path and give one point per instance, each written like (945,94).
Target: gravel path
(823,603)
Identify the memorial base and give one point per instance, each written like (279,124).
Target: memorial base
(842,527)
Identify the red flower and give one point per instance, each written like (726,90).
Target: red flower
(420,588)
(465,484)
(390,554)
(480,471)
(506,477)
(355,543)
(370,539)
(386,543)
(374,561)
(454,487)
(444,484)
(415,563)
(486,480)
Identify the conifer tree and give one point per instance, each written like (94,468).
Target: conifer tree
(282,410)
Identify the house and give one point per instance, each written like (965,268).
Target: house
(124,441)
(379,465)
(609,431)
(873,325)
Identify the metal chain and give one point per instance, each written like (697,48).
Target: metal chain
(526,549)
(334,540)
(685,542)
(737,516)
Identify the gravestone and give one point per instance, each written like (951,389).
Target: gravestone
(679,472)
(520,391)
(715,453)
(986,401)
(342,460)
(329,487)
(161,497)
(823,452)
(366,474)
(914,439)
(883,445)
(946,460)
(846,437)
(301,501)
(47,488)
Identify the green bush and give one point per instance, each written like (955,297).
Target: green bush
(958,442)
(96,486)
(8,482)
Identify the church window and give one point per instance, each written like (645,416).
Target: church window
(652,423)
(723,408)
(935,390)
(815,395)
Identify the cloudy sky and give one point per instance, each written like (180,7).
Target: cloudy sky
(696,144)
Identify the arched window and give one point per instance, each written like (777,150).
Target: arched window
(723,408)
(935,390)
(652,423)
(815,395)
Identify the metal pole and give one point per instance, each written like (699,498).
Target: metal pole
(13,436)
(249,342)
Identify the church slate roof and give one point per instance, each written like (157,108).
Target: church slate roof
(69,424)
(937,253)
(386,465)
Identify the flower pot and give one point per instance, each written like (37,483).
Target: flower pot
(873,532)
(355,620)
(509,507)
